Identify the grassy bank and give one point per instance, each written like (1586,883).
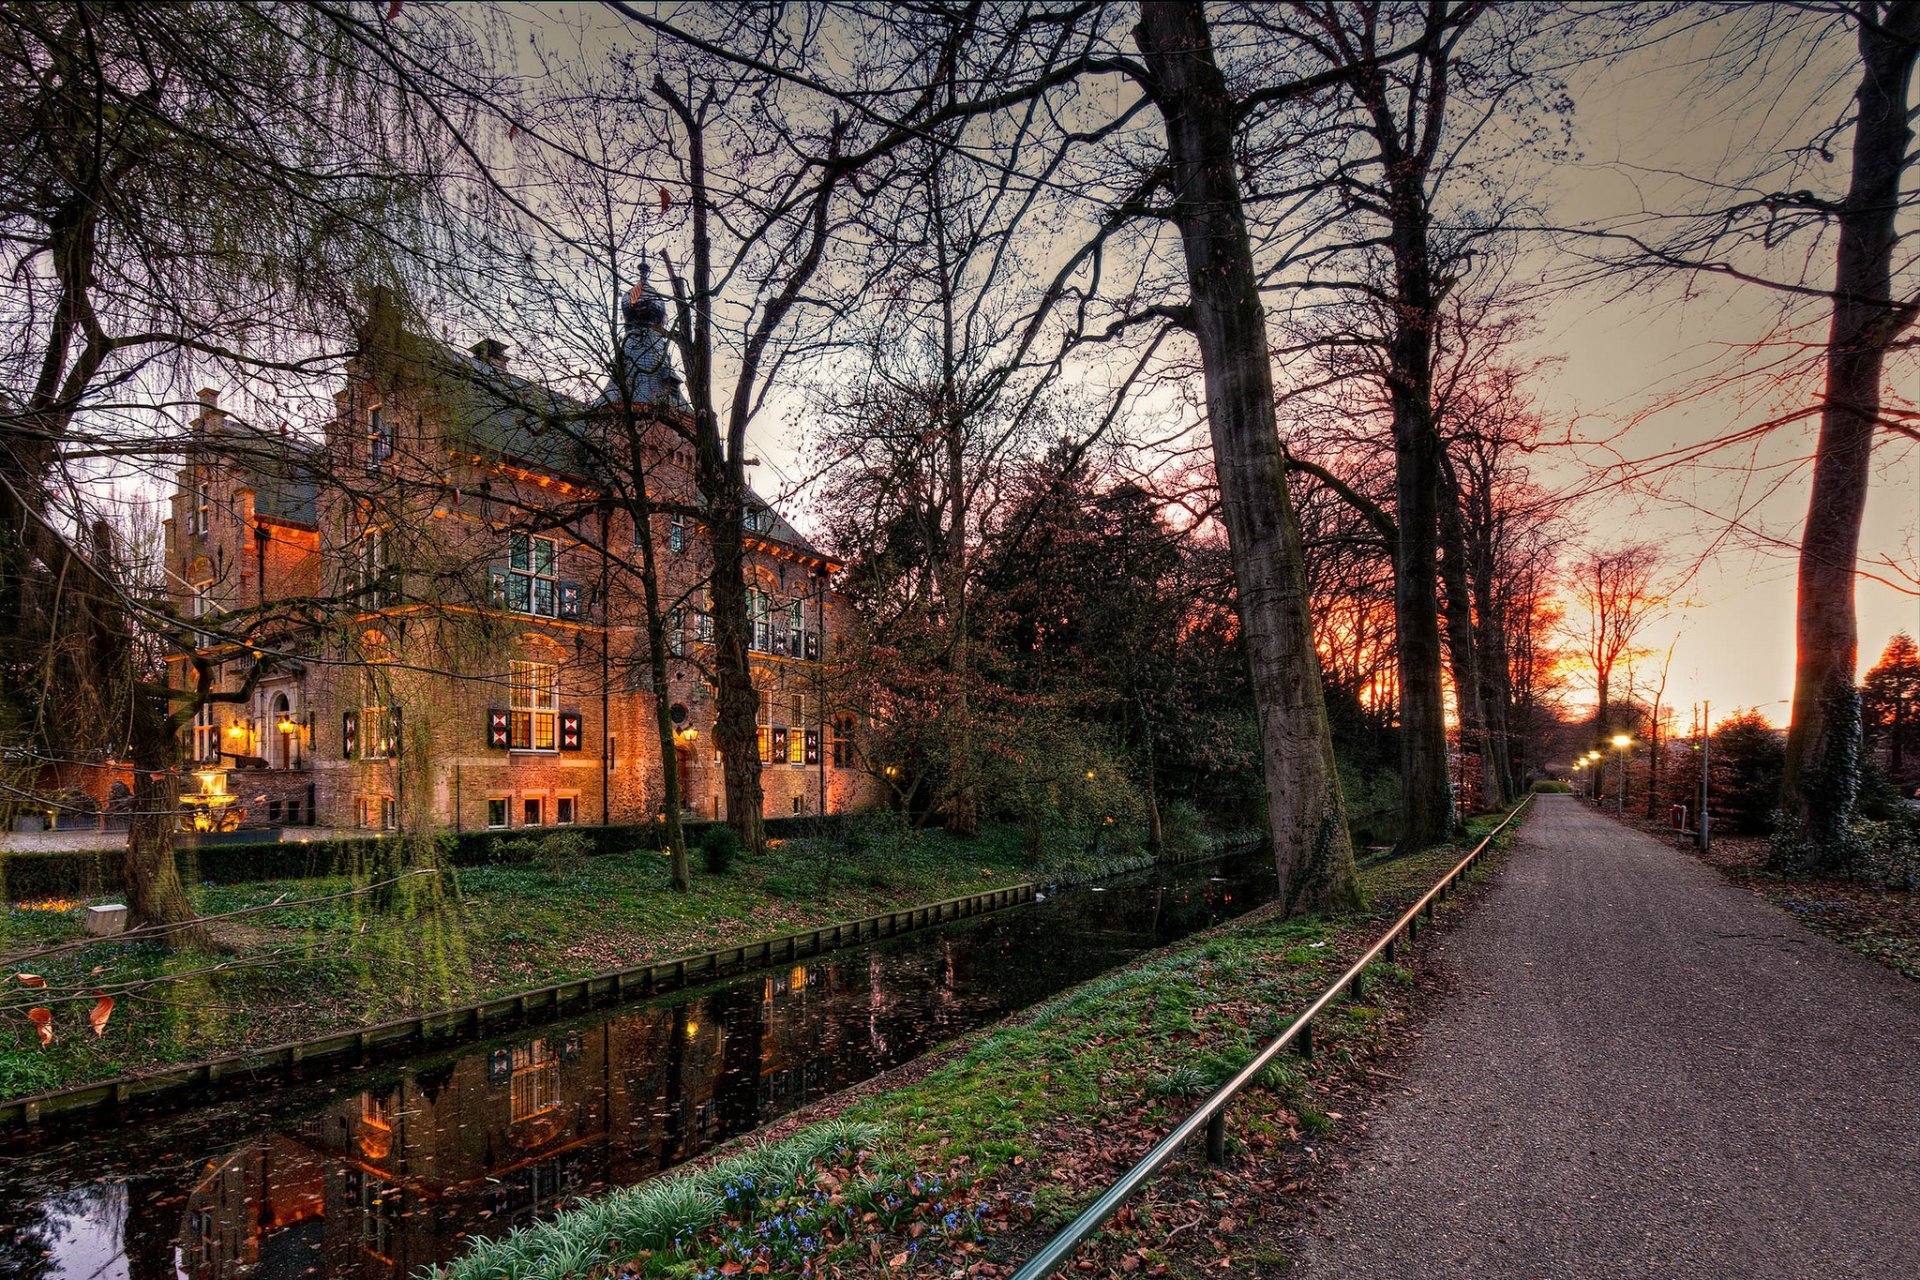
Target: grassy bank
(967,1168)
(365,956)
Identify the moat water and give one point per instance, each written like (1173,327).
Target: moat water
(382,1171)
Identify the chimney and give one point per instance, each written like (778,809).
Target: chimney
(490,351)
(210,416)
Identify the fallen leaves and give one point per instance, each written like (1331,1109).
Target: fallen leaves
(43,1019)
(102,1010)
(30,979)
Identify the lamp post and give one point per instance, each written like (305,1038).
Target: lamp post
(1592,758)
(1625,743)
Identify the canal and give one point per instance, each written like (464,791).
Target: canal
(381,1171)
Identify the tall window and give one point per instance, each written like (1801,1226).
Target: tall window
(532,585)
(797,734)
(206,734)
(379,439)
(760,614)
(676,631)
(766,726)
(199,606)
(202,518)
(535,706)
(377,729)
(677,534)
(372,569)
(843,742)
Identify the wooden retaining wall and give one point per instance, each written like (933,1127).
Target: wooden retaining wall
(447,1026)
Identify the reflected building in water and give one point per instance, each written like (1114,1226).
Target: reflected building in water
(390,1178)
(384,1183)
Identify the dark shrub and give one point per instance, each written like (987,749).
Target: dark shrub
(719,846)
(1748,755)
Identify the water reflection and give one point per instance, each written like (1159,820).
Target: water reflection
(380,1174)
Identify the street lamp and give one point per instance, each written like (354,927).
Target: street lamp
(1625,743)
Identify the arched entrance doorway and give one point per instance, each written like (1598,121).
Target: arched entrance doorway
(280,724)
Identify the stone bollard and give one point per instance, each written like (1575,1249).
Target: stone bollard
(105,921)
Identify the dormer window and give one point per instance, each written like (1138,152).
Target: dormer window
(379,439)
(759,520)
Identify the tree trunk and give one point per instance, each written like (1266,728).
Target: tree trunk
(1463,650)
(672,801)
(737,724)
(1313,852)
(1896,750)
(1821,776)
(1653,762)
(155,895)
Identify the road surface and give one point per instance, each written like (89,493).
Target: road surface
(1644,1071)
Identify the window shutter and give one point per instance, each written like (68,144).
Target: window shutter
(497,729)
(813,646)
(570,731)
(813,746)
(349,734)
(393,731)
(779,744)
(497,588)
(570,600)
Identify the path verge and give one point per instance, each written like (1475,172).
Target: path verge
(1017,1127)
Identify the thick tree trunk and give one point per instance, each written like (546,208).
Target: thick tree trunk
(737,724)
(665,730)
(1463,649)
(155,895)
(1426,815)
(1821,776)
(1313,852)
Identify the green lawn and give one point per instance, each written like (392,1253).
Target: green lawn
(306,970)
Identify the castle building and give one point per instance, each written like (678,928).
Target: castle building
(436,614)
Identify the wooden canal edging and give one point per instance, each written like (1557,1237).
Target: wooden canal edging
(466,1022)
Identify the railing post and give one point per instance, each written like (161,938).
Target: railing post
(1305,1040)
(1217,1137)
(1392,944)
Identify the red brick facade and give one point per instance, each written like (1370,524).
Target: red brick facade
(452,631)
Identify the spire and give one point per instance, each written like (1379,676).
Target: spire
(645,358)
(643,310)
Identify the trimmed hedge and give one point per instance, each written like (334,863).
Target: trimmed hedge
(30,875)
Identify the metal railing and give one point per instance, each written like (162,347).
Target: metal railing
(1212,1114)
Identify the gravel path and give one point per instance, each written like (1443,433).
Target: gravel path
(1644,1071)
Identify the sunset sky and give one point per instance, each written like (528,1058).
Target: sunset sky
(1651,127)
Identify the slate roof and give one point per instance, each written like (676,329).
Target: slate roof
(520,420)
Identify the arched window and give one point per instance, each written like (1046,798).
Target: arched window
(285,732)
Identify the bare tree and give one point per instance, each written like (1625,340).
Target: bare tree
(1311,843)
(1821,776)
(1618,595)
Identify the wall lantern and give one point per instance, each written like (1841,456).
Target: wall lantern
(286,724)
